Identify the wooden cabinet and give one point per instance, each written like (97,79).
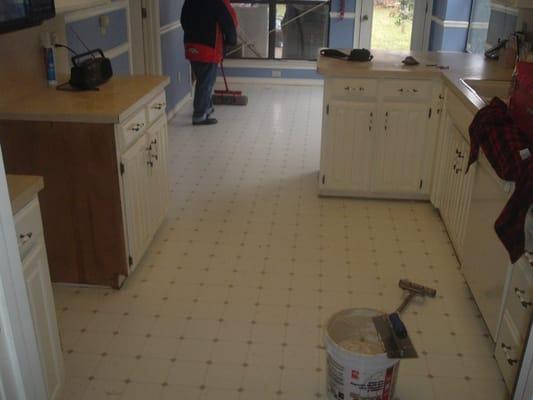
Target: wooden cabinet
(516,321)
(106,190)
(400,145)
(40,296)
(348,147)
(378,137)
(455,201)
(145,188)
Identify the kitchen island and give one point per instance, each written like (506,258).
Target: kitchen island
(102,155)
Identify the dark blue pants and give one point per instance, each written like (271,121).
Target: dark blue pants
(206,75)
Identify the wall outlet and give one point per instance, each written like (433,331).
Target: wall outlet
(178,75)
(276,73)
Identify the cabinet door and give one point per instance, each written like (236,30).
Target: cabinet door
(400,146)
(39,288)
(347,148)
(158,173)
(136,188)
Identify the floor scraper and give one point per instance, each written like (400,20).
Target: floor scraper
(392,331)
(228,97)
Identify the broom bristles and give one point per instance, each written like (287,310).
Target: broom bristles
(230,100)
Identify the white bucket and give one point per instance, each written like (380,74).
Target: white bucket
(357,366)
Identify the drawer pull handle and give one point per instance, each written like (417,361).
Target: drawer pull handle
(25,237)
(400,90)
(506,350)
(415,90)
(137,127)
(158,106)
(361,89)
(154,141)
(520,294)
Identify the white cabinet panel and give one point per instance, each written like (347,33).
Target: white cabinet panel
(347,146)
(135,180)
(145,188)
(400,148)
(39,287)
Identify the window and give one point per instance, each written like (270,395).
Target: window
(281,29)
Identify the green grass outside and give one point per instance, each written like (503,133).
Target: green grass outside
(386,34)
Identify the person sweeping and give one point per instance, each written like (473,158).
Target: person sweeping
(209,26)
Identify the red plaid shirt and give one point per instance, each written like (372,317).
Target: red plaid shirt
(503,144)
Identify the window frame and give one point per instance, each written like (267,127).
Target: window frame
(272,25)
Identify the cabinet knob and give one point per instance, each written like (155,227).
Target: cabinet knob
(523,301)
(25,237)
(415,90)
(400,90)
(510,360)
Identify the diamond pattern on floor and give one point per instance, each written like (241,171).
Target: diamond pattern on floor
(232,296)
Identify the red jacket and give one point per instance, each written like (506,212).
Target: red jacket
(209,25)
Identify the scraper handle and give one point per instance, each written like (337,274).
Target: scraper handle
(398,326)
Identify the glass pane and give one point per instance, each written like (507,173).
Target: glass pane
(479,26)
(252,33)
(301,29)
(392,24)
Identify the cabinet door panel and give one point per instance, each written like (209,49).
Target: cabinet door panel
(136,191)
(159,190)
(348,155)
(39,288)
(400,146)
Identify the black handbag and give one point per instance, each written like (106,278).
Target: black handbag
(360,55)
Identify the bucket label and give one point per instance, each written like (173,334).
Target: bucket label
(345,383)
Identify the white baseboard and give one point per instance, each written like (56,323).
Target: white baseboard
(272,81)
(172,113)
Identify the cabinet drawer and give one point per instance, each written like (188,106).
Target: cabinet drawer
(508,351)
(29,227)
(408,90)
(157,107)
(133,128)
(353,88)
(519,303)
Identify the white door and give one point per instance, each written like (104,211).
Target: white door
(39,288)
(346,160)
(393,25)
(400,145)
(136,163)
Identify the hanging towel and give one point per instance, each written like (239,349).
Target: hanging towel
(502,141)
(508,151)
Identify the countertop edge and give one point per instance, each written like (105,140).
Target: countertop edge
(22,189)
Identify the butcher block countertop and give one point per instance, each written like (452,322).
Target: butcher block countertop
(22,190)
(388,64)
(112,103)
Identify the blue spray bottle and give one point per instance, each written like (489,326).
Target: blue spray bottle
(49,59)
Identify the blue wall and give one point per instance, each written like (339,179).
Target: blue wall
(116,35)
(501,25)
(445,38)
(173,53)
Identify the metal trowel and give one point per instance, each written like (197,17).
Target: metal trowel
(392,331)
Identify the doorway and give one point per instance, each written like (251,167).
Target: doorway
(393,24)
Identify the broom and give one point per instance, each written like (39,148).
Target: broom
(228,97)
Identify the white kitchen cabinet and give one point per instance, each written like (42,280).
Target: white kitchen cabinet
(158,138)
(516,321)
(400,144)
(135,181)
(347,157)
(457,184)
(39,288)
(378,137)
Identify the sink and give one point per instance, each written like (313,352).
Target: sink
(487,89)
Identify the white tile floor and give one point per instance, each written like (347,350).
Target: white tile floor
(230,300)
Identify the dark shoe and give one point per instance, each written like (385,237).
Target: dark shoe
(206,121)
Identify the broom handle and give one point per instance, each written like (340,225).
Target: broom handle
(224,75)
(405,302)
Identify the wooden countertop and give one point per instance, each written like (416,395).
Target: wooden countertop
(112,103)
(22,190)
(388,64)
